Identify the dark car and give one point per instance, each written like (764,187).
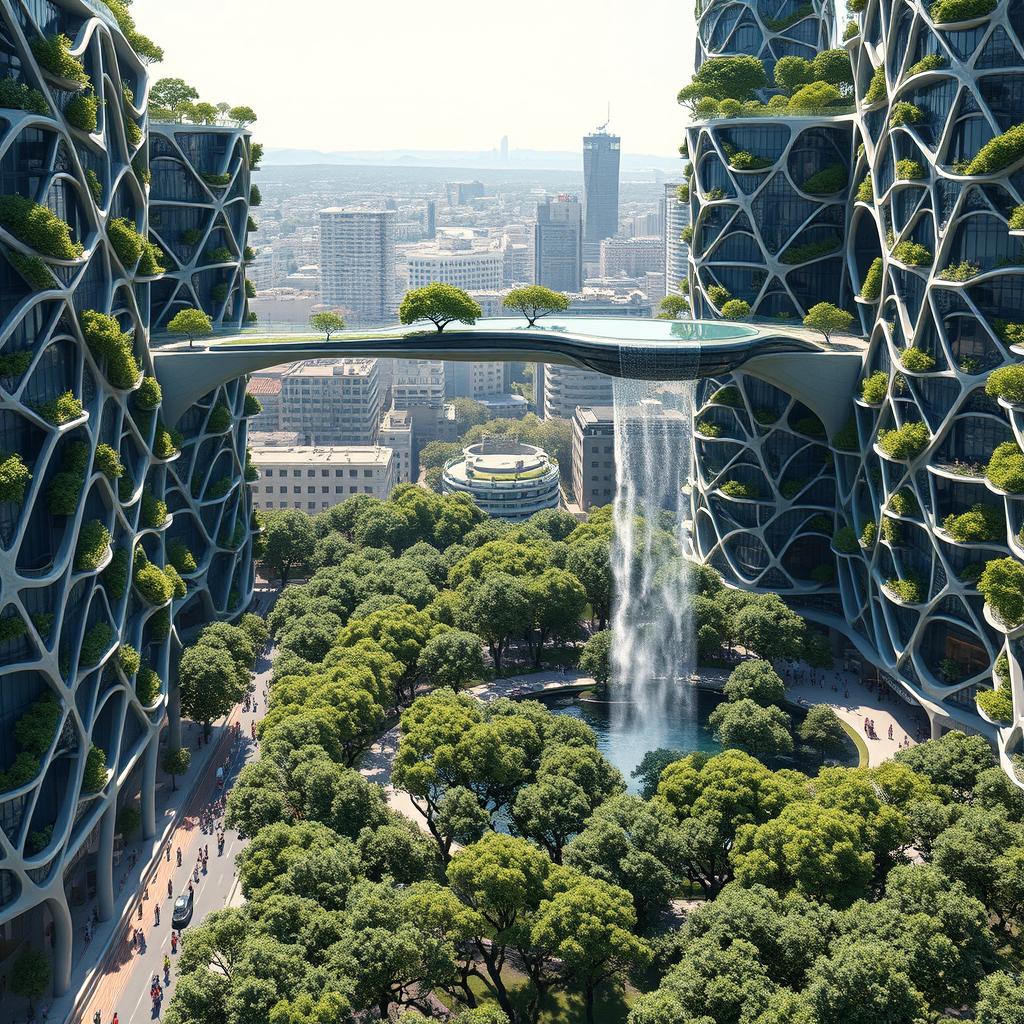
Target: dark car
(182,911)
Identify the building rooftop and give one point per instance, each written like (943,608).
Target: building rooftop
(264,386)
(348,454)
(332,368)
(592,415)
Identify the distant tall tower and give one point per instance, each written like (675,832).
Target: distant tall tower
(504,149)
(430,219)
(601,190)
(558,245)
(357,262)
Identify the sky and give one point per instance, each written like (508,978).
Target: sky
(434,74)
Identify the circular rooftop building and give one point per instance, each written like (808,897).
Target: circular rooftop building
(504,478)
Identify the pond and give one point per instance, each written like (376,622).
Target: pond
(626,730)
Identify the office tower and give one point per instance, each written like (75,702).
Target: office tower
(593,456)
(504,149)
(430,218)
(631,257)
(312,478)
(560,389)
(558,244)
(677,252)
(418,382)
(461,193)
(396,434)
(332,401)
(357,263)
(600,191)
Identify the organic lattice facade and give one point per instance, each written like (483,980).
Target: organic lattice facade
(92,509)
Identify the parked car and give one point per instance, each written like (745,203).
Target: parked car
(182,910)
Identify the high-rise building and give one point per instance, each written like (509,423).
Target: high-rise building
(477,379)
(558,244)
(430,218)
(560,389)
(357,263)
(593,456)
(631,257)
(466,268)
(332,401)
(600,191)
(418,382)
(677,252)
(461,193)
(396,433)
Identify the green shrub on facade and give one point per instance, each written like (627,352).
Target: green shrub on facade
(220,419)
(932,62)
(255,197)
(153,513)
(1010,333)
(906,442)
(873,389)
(1007,383)
(1016,221)
(865,190)
(729,395)
(148,395)
(15,364)
(66,485)
(744,161)
(1001,668)
(903,113)
(159,625)
(95,775)
(129,659)
(15,477)
(914,254)
(998,153)
(219,292)
(845,541)
(891,532)
(909,590)
(909,170)
(93,541)
(108,462)
(151,582)
(111,347)
(15,95)
(151,262)
(39,228)
(872,286)
(846,438)
(827,181)
(960,272)
(63,409)
(737,489)
(709,429)
(216,180)
(982,522)
(1006,468)
(718,295)
(253,406)
(903,503)
(12,627)
(54,55)
(115,576)
(944,12)
(178,588)
(83,110)
(147,686)
(1002,585)
(917,360)
(163,443)
(220,254)
(95,644)
(181,557)
(810,251)
(877,90)
(736,309)
(686,235)
(126,241)
(997,704)
(851,31)
(33,270)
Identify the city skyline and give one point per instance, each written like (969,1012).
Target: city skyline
(346,105)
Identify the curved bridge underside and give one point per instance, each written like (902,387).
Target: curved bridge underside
(619,347)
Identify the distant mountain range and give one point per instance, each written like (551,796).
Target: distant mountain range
(518,159)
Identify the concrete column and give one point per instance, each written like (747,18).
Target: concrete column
(935,722)
(173,716)
(149,786)
(62,945)
(105,862)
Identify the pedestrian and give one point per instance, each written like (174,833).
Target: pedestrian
(195,875)
(115,1020)
(140,911)
(190,889)
(168,852)
(156,914)
(174,942)
(179,856)
(170,889)
(97,1018)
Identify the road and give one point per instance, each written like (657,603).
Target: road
(126,984)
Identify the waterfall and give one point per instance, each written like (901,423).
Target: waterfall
(653,649)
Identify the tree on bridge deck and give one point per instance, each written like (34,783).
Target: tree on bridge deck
(327,322)
(439,303)
(535,301)
(192,323)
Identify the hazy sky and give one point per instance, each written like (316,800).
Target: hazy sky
(434,74)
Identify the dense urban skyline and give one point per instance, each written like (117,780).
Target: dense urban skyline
(345,103)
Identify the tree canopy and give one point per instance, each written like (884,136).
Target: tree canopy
(439,303)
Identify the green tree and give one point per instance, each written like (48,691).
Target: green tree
(452,658)
(210,683)
(767,627)
(193,323)
(498,608)
(793,72)
(651,765)
(242,116)
(590,562)
(757,680)
(434,454)
(170,98)
(736,78)
(30,975)
(439,303)
(822,730)
(535,301)
(1002,999)
(289,542)
(744,724)
(673,307)
(177,761)
(589,927)
(595,658)
(557,599)
(955,760)
(327,322)
(827,318)
(468,413)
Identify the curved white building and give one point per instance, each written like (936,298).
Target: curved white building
(506,479)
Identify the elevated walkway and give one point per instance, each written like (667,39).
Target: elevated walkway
(820,376)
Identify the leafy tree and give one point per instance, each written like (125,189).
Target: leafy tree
(210,682)
(289,542)
(170,98)
(311,636)
(595,658)
(499,608)
(434,454)
(327,322)
(955,760)
(673,307)
(721,78)
(761,731)
(651,765)
(833,66)
(822,730)
(590,562)
(825,317)
(767,627)
(535,301)
(557,599)
(177,761)
(793,72)
(30,975)
(1002,999)
(192,323)
(555,522)
(468,413)
(439,303)
(242,116)
(756,680)
(589,928)
(550,811)
(452,658)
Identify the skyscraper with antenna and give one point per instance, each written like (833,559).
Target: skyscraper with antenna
(601,152)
